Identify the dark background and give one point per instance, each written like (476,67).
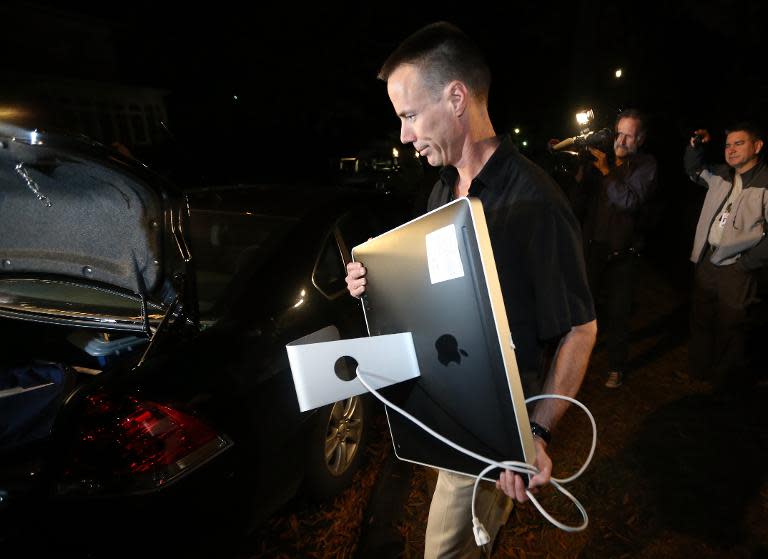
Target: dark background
(306,90)
(305,77)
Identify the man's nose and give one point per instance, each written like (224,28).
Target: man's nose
(406,134)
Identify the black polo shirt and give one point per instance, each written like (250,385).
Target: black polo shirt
(537,248)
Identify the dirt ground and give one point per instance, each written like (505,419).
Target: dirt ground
(679,470)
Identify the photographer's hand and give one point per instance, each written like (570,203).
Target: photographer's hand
(701,135)
(552,143)
(601,161)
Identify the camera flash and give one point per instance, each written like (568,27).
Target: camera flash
(583,118)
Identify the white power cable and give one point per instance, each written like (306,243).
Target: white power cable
(481,535)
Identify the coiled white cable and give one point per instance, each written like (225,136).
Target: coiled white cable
(481,536)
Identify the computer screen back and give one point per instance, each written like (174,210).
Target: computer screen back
(435,277)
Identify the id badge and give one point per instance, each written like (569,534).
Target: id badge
(723,219)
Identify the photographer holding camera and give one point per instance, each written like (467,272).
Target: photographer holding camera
(616,198)
(730,252)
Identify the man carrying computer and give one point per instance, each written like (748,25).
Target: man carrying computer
(438,83)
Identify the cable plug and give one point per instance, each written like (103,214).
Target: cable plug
(481,534)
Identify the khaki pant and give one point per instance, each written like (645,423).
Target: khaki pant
(449,528)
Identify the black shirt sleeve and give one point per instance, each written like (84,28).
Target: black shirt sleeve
(629,190)
(693,162)
(556,269)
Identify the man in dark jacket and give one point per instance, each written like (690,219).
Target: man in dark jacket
(729,251)
(617,202)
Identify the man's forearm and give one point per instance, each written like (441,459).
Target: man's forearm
(567,373)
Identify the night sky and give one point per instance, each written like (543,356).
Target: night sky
(305,78)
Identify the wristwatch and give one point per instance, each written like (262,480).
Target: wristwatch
(541,432)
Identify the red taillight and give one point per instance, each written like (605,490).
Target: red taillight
(130,445)
(158,435)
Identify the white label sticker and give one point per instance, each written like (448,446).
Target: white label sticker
(443,255)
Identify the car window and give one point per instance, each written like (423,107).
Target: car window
(350,230)
(329,273)
(359,226)
(223,242)
(356,228)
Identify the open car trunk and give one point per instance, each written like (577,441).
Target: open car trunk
(84,270)
(43,365)
(76,215)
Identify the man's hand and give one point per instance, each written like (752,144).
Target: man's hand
(601,161)
(512,484)
(356,279)
(703,136)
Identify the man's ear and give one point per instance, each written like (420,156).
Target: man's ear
(758,146)
(457,95)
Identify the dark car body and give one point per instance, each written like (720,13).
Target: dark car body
(167,312)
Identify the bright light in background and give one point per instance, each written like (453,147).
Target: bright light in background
(301,299)
(395,153)
(8,112)
(618,73)
(525,143)
(33,137)
(583,118)
(417,154)
(234,97)
(517,130)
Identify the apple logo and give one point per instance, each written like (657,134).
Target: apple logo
(448,350)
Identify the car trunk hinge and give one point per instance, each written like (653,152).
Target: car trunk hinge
(173,312)
(178,236)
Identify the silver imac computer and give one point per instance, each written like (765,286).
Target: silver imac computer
(435,277)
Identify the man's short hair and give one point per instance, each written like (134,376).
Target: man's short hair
(634,114)
(443,53)
(751,128)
